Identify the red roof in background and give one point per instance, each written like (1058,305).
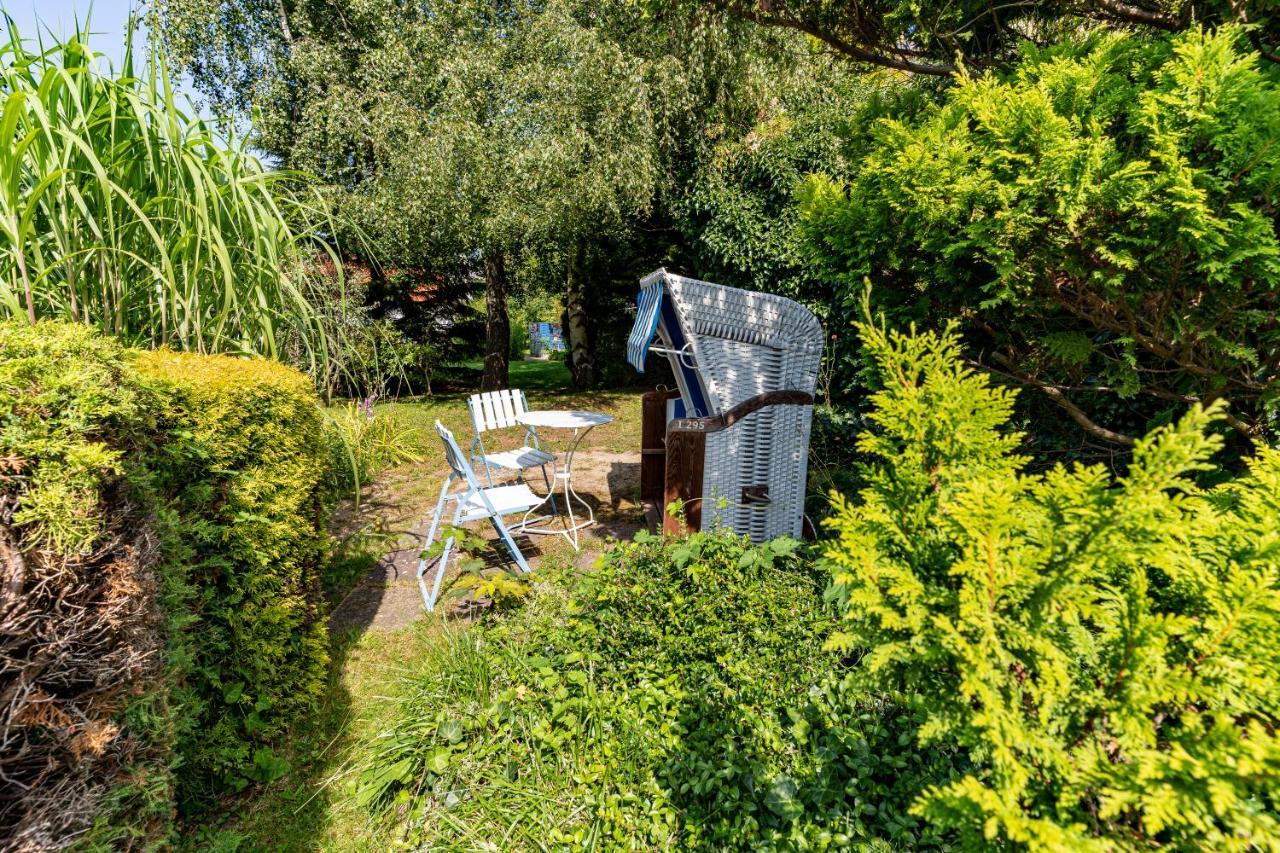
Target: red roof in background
(360,272)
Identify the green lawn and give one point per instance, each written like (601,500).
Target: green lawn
(551,375)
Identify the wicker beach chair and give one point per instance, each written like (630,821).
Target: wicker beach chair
(733,441)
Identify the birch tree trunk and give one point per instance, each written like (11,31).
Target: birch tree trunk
(497,324)
(581,361)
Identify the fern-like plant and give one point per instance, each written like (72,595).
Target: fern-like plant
(1104,650)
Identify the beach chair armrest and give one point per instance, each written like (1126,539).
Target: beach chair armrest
(716,423)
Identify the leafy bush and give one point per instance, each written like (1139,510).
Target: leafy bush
(362,443)
(1103,220)
(246,467)
(677,696)
(1104,653)
(82,609)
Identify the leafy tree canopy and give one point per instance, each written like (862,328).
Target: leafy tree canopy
(454,134)
(937,36)
(1104,221)
(525,139)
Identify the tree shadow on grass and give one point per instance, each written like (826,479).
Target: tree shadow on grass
(295,811)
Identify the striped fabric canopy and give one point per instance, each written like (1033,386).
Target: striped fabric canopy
(649,304)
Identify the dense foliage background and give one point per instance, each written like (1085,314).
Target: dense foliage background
(1045,611)
(1101,651)
(1102,221)
(1096,203)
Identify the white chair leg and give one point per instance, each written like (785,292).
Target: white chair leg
(431,537)
(488,472)
(440,570)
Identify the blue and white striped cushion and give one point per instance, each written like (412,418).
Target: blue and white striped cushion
(649,303)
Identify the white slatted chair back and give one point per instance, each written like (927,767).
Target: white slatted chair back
(497,409)
(457,459)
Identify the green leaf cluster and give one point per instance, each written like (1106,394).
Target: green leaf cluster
(937,39)
(738,211)
(676,696)
(1103,651)
(60,466)
(1102,218)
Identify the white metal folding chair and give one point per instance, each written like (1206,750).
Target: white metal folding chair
(473,502)
(499,410)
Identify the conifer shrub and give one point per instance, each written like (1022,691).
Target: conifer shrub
(87,597)
(162,522)
(1103,652)
(1102,220)
(246,471)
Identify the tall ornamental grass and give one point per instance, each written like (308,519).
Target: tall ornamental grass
(119,209)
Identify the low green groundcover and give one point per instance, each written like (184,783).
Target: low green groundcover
(678,695)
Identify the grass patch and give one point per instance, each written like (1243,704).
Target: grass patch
(549,375)
(420,414)
(677,697)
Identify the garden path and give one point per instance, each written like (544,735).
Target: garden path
(380,630)
(386,596)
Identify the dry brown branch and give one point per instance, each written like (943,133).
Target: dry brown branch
(80,637)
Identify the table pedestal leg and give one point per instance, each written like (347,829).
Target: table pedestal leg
(570,530)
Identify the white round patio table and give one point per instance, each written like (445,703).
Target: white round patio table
(580,423)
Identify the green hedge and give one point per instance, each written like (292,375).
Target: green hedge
(245,467)
(162,527)
(82,629)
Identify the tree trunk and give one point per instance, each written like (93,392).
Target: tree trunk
(497,346)
(581,364)
(284,23)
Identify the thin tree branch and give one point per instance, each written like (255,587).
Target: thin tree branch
(1137,15)
(1055,394)
(284,23)
(849,49)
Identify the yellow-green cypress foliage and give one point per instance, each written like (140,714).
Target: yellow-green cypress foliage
(1106,650)
(247,468)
